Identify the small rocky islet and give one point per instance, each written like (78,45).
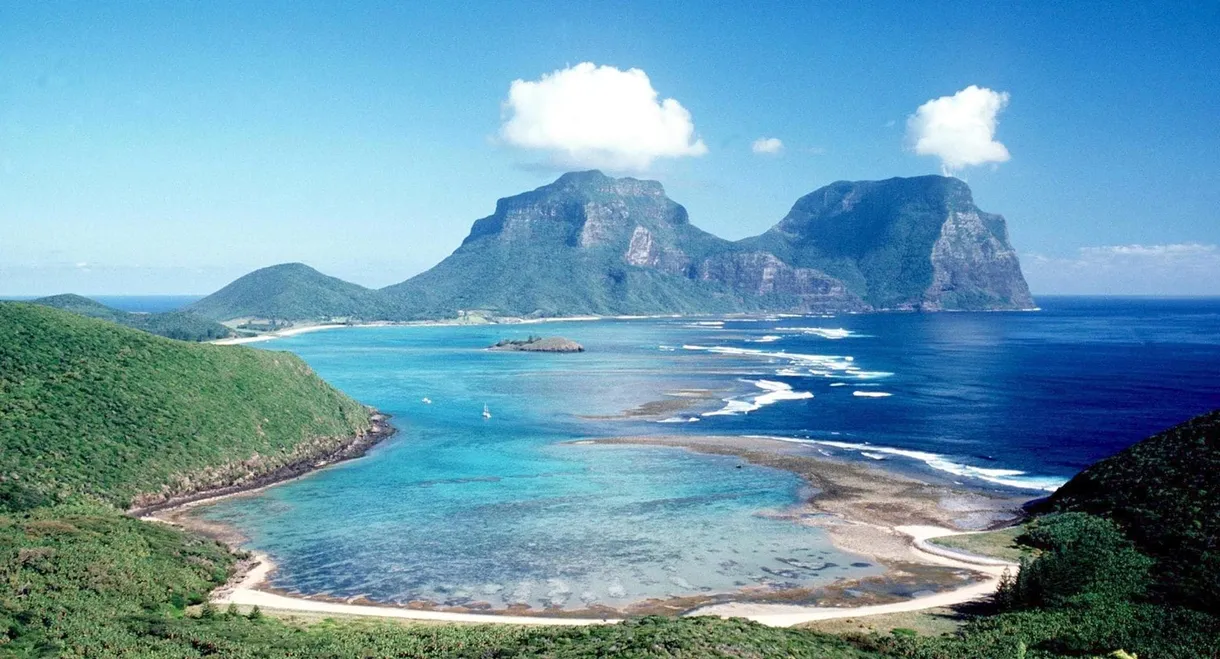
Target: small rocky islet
(537,344)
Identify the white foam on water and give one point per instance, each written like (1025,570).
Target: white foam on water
(875,456)
(838,384)
(776,392)
(871,394)
(706,323)
(833,333)
(1007,477)
(733,406)
(679,419)
(814,365)
(770,338)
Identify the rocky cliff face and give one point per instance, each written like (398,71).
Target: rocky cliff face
(589,243)
(904,243)
(777,285)
(974,266)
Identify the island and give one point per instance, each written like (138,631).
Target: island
(538,344)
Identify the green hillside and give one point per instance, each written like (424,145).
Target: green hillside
(294,292)
(1164,492)
(522,281)
(89,409)
(180,325)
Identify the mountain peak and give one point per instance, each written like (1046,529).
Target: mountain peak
(904,243)
(594,181)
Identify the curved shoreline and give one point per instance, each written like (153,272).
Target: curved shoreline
(885,540)
(379,430)
(246,592)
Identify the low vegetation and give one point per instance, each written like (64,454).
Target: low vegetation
(1000,544)
(181,325)
(538,344)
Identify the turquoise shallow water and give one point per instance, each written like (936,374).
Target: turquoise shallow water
(458,509)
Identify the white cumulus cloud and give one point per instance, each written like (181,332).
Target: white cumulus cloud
(767,146)
(959,129)
(598,116)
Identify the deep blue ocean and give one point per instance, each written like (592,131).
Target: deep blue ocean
(457,508)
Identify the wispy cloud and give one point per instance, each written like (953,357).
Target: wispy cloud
(768,146)
(598,116)
(1168,269)
(959,129)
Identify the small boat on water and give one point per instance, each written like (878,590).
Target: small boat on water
(486,412)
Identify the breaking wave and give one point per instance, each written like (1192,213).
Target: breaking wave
(1007,477)
(824,332)
(776,391)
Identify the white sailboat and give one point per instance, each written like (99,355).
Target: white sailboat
(486,412)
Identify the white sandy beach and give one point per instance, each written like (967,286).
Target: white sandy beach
(302,329)
(880,536)
(247,593)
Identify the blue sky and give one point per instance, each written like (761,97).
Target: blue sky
(170,147)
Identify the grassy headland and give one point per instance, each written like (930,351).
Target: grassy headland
(181,325)
(93,411)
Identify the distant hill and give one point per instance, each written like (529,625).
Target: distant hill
(294,292)
(95,410)
(903,243)
(1165,494)
(180,325)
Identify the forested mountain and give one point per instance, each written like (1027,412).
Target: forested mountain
(903,243)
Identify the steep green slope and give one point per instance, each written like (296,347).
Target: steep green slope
(916,243)
(294,292)
(1165,494)
(91,409)
(180,325)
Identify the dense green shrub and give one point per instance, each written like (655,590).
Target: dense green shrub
(1150,631)
(181,325)
(1084,561)
(1164,492)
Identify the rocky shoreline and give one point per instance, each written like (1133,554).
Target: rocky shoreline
(356,446)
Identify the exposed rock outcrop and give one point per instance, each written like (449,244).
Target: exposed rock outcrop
(538,344)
